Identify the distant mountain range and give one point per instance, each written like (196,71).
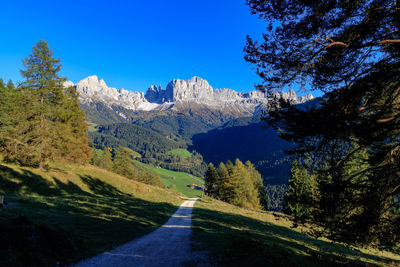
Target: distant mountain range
(179,95)
(220,124)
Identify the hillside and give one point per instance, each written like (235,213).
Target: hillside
(246,139)
(70,212)
(240,237)
(177,181)
(154,148)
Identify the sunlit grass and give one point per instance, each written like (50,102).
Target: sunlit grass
(183,153)
(87,209)
(241,237)
(178,181)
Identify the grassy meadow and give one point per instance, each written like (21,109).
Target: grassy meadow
(240,237)
(183,153)
(69,213)
(177,181)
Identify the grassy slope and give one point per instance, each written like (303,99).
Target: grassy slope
(183,153)
(240,237)
(178,181)
(71,212)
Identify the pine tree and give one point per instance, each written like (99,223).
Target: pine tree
(349,50)
(223,188)
(299,198)
(211,181)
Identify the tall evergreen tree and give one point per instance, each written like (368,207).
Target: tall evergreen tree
(57,128)
(351,51)
(211,181)
(223,189)
(15,125)
(302,190)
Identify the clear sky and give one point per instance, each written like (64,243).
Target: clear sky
(133,44)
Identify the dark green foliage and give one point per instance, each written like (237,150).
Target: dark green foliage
(237,184)
(152,146)
(274,196)
(139,138)
(351,50)
(211,180)
(251,143)
(123,164)
(301,194)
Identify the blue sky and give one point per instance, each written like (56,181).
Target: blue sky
(134,44)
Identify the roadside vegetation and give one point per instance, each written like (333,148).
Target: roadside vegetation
(241,237)
(73,212)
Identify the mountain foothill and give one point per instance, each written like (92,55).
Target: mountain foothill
(215,125)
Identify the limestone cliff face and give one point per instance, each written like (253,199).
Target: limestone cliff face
(178,95)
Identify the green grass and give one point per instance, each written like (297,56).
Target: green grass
(183,153)
(92,127)
(73,212)
(239,237)
(177,181)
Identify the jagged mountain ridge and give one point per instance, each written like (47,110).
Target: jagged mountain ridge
(178,96)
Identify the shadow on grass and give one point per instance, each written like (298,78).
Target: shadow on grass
(62,223)
(236,240)
(26,182)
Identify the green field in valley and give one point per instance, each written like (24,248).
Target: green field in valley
(178,181)
(183,153)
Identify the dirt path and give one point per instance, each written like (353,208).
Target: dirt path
(167,246)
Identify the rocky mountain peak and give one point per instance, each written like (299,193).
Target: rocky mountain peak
(195,90)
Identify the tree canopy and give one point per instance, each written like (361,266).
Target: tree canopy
(350,50)
(42,119)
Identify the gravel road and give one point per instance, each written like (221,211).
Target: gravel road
(167,246)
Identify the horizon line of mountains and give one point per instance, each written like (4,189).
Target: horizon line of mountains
(219,124)
(178,92)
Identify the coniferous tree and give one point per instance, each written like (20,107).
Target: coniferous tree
(106,160)
(257,180)
(349,50)
(299,198)
(122,163)
(211,181)
(16,115)
(232,186)
(223,174)
(56,126)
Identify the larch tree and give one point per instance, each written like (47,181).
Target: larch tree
(57,128)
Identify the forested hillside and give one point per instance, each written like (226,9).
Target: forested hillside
(251,142)
(153,148)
